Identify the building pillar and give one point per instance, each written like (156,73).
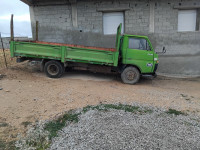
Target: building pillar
(198,20)
(74,12)
(33,21)
(152,17)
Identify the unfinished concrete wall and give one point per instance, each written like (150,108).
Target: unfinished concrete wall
(156,18)
(6,41)
(183,48)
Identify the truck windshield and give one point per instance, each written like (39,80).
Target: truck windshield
(138,43)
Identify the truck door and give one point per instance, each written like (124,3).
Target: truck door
(140,54)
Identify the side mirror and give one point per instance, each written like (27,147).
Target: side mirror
(164,50)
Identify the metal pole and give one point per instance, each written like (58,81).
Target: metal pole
(3,51)
(11,29)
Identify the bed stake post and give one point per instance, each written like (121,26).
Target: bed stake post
(36,37)
(11,29)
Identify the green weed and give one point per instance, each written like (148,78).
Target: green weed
(175,112)
(2,144)
(54,126)
(26,123)
(3,124)
(126,108)
(183,95)
(7,145)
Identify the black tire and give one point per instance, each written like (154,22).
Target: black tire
(53,69)
(130,75)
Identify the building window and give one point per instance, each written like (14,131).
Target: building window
(187,20)
(138,43)
(111,21)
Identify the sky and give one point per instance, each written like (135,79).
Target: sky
(22,25)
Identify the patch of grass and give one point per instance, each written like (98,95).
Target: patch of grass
(175,112)
(87,108)
(187,123)
(7,145)
(183,95)
(40,138)
(42,145)
(126,108)
(26,123)
(2,144)
(148,111)
(3,124)
(11,145)
(198,120)
(54,126)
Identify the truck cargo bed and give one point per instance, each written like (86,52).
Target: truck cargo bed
(67,52)
(64,52)
(78,46)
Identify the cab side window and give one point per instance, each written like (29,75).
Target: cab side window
(138,43)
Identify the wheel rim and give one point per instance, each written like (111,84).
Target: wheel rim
(130,75)
(53,69)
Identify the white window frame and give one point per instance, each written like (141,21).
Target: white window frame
(189,25)
(107,16)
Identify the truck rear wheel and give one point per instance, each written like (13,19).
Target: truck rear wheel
(54,69)
(130,75)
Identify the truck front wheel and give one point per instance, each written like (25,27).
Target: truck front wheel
(53,69)
(130,75)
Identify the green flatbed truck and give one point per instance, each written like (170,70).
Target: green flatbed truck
(132,57)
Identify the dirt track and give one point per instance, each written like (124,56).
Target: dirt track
(28,95)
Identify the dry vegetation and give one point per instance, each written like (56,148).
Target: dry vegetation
(10,61)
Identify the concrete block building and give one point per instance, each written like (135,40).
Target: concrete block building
(174,24)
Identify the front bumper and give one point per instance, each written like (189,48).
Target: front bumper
(153,74)
(155,68)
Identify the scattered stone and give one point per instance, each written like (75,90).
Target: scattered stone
(2,76)
(35,99)
(117,129)
(183,95)
(1,88)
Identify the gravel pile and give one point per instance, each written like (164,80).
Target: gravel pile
(117,129)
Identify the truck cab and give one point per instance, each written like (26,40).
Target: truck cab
(138,51)
(138,57)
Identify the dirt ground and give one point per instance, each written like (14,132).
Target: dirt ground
(28,95)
